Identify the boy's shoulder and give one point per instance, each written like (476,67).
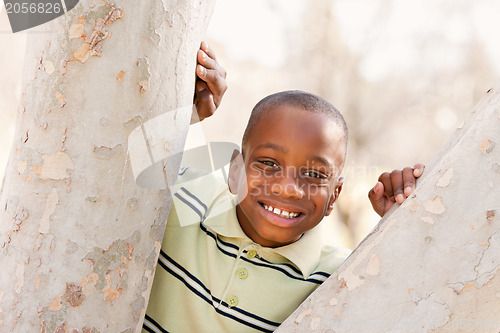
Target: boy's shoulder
(199,194)
(332,257)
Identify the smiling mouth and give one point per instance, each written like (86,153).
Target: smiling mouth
(280,212)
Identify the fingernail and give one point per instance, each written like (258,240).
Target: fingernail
(400,198)
(407,190)
(201,70)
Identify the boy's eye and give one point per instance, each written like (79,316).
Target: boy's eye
(315,174)
(269,163)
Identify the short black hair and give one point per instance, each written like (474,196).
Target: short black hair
(299,100)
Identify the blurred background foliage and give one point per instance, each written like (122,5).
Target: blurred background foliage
(404,74)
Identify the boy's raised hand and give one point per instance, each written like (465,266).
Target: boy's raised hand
(210,82)
(394,187)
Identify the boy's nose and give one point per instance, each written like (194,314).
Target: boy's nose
(288,187)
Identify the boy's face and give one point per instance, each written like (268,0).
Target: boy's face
(292,161)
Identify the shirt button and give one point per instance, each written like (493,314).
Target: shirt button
(232,301)
(242,273)
(251,254)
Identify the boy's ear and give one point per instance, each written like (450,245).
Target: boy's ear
(335,196)
(234,171)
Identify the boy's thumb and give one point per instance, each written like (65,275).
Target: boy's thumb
(376,196)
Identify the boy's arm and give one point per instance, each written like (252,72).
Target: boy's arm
(394,187)
(210,82)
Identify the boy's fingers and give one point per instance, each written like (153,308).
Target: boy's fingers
(210,63)
(385,179)
(201,71)
(216,84)
(206,61)
(397,185)
(408,181)
(208,50)
(376,192)
(200,86)
(418,170)
(205,106)
(210,84)
(377,198)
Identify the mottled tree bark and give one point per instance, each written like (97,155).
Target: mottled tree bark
(433,264)
(79,238)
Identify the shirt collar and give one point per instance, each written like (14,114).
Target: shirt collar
(304,253)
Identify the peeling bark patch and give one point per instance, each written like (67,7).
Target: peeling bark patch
(38,280)
(100,32)
(137,306)
(120,75)
(19,278)
(50,207)
(92,278)
(132,203)
(144,74)
(444,181)
(56,304)
(106,153)
(17,212)
(133,123)
(48,67)
(26,136)
(104,122)
(302,316)
(61,99)
(110,293)
(158,227)
(62,329)
(82,53)
(92,45)
(110,266)
(54,166)
(76,31)
(93,199)
(487,146)
(373,267)
(468,286)
(435,206)
(73,294)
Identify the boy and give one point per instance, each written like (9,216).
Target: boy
(246,267)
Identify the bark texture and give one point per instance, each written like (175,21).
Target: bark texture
(79,239)
(433,264)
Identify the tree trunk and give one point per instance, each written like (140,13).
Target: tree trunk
(79,239)
(431,265)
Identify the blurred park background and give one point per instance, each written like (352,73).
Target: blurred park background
(404,73)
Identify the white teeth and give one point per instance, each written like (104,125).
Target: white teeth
(282,213)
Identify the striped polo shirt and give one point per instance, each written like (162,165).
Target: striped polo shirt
(211,277)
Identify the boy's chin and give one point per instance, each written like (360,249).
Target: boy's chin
(277,240)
